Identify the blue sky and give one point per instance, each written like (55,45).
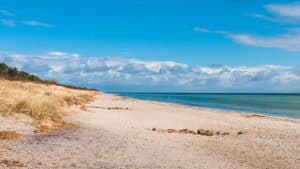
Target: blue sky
(228,33)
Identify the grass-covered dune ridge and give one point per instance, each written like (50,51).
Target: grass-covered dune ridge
(44,103)
(13,73)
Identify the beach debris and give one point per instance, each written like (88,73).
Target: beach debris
(252,115)
(12,163)
(225,133)
(122,98)
(9,135)
(172,131)
(191,132)
(205,132)
(109,108)
(115,108)
(187,131)
(240,132)
(84,108)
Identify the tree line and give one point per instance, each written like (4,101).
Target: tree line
(13,73)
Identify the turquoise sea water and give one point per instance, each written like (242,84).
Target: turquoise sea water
(287,105)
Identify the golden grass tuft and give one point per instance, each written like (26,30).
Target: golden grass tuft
(44,103)
(12,163)
(9,135)
(41,129)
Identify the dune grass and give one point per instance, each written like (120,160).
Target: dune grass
(44,103)
(9,135)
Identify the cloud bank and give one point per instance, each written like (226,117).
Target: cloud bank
(121,74)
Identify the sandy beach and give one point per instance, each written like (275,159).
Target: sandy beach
(117,132)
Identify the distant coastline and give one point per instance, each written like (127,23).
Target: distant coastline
(273,104)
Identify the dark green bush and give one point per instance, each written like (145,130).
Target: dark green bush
(13,73)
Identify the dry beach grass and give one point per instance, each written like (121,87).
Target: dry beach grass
(9,135)
(44,103)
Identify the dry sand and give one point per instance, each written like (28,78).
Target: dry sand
(116,132)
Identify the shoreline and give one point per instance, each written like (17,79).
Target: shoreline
(213,109)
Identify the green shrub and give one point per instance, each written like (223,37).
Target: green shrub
(13,73)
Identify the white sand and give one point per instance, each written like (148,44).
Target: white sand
(121,138)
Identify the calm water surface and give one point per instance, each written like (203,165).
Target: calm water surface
(272,104)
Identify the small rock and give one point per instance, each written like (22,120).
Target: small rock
(240,132)
(205,132)
(154,129)
(200,131)
(187,131)
(183,130)
(171,131)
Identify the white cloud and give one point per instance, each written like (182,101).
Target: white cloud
(200,29)
(121,74)
(38,24)
(63,54)
(8,22)
(287,13)
(12,23)
(205,30)
(285,10)
(290,41)
(275,19)
(57,53)
(6,13)
(283,13)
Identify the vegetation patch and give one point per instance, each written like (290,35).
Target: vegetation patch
(41,128)
(12,73)
(12,163)
(9,135)
(43,101)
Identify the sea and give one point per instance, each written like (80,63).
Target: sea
(286,105)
